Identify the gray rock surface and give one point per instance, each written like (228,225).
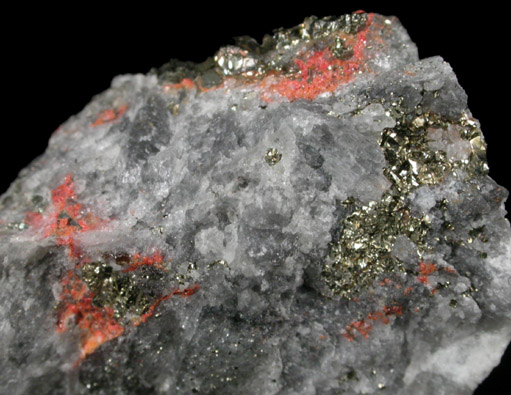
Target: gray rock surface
(307,215)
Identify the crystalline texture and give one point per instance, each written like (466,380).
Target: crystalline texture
(311,214)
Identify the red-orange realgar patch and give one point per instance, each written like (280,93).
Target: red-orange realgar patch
(425,269)
(109,115)
(65,217)
(364,327)
(97,324)
(320,71)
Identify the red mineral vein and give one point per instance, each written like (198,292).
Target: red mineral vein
(320,71)
(186,83)
(137,260)
(184,293)
(109,115)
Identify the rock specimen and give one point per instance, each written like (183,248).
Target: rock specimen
(307,215)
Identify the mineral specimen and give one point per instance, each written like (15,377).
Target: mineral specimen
(311,214)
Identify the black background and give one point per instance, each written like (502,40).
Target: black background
(55,59)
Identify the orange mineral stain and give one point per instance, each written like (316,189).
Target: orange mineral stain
(450,270)
(385,282)
(425,269)
(150,311)
(186,83)
(137,261)
(363,327)
(187,291)
(109,115)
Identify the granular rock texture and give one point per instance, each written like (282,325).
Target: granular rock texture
(308,215)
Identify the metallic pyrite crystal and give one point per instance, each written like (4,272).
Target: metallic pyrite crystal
(311,214)
(273,156)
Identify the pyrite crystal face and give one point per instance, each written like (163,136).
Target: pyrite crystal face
(308,214)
